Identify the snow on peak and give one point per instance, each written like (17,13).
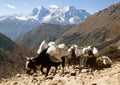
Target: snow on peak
(54,15)
(69,8)
(37,10)
(21,18)
(53,7)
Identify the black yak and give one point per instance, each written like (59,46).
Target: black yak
(44,60)
(46,55)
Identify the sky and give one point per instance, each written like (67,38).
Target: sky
(10,7)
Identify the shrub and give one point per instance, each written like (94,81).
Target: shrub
(112,51)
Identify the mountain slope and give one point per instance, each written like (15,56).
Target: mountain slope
(101,29)
(6,43)
(42,32)
(13,26)
(9,61)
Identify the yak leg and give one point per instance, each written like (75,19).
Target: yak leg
(80,67)
(28,71)
(48,69)
(42,70)
(82,63)
(63,64)
(35,70)
(74,64)
(55,70)
(68,63)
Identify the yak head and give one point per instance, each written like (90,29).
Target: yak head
(30,64)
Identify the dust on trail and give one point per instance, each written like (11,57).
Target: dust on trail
(108,76)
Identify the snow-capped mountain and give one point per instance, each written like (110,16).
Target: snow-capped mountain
(17,24)
(6,16)
(65,15)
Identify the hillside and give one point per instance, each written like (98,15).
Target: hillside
(13,27)
(42,32)
(109,76)
(10,64)
(10,60)
(101,29)
(6,43)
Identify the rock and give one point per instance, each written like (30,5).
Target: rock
(58,82)
(34,80)
(94,84)
(73,73)
(14,83)
(68,75)
(50,77)
(35,75)
(18,75)
(84,70)
(83,83)
(96,71)
(29,83)
(90,77)
(4,80)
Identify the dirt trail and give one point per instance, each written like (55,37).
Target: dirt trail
(109,76)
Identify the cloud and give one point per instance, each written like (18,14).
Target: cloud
(10,6)
(53,6)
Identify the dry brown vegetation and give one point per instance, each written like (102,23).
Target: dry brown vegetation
(13,62)
(113,52)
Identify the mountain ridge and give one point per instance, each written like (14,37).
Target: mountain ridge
(63,15)
(48,32)
(101,29)
(6,43)
(13,26)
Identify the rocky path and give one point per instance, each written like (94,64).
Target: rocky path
(109,76)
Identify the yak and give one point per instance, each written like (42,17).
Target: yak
(47,57)
(44,60)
